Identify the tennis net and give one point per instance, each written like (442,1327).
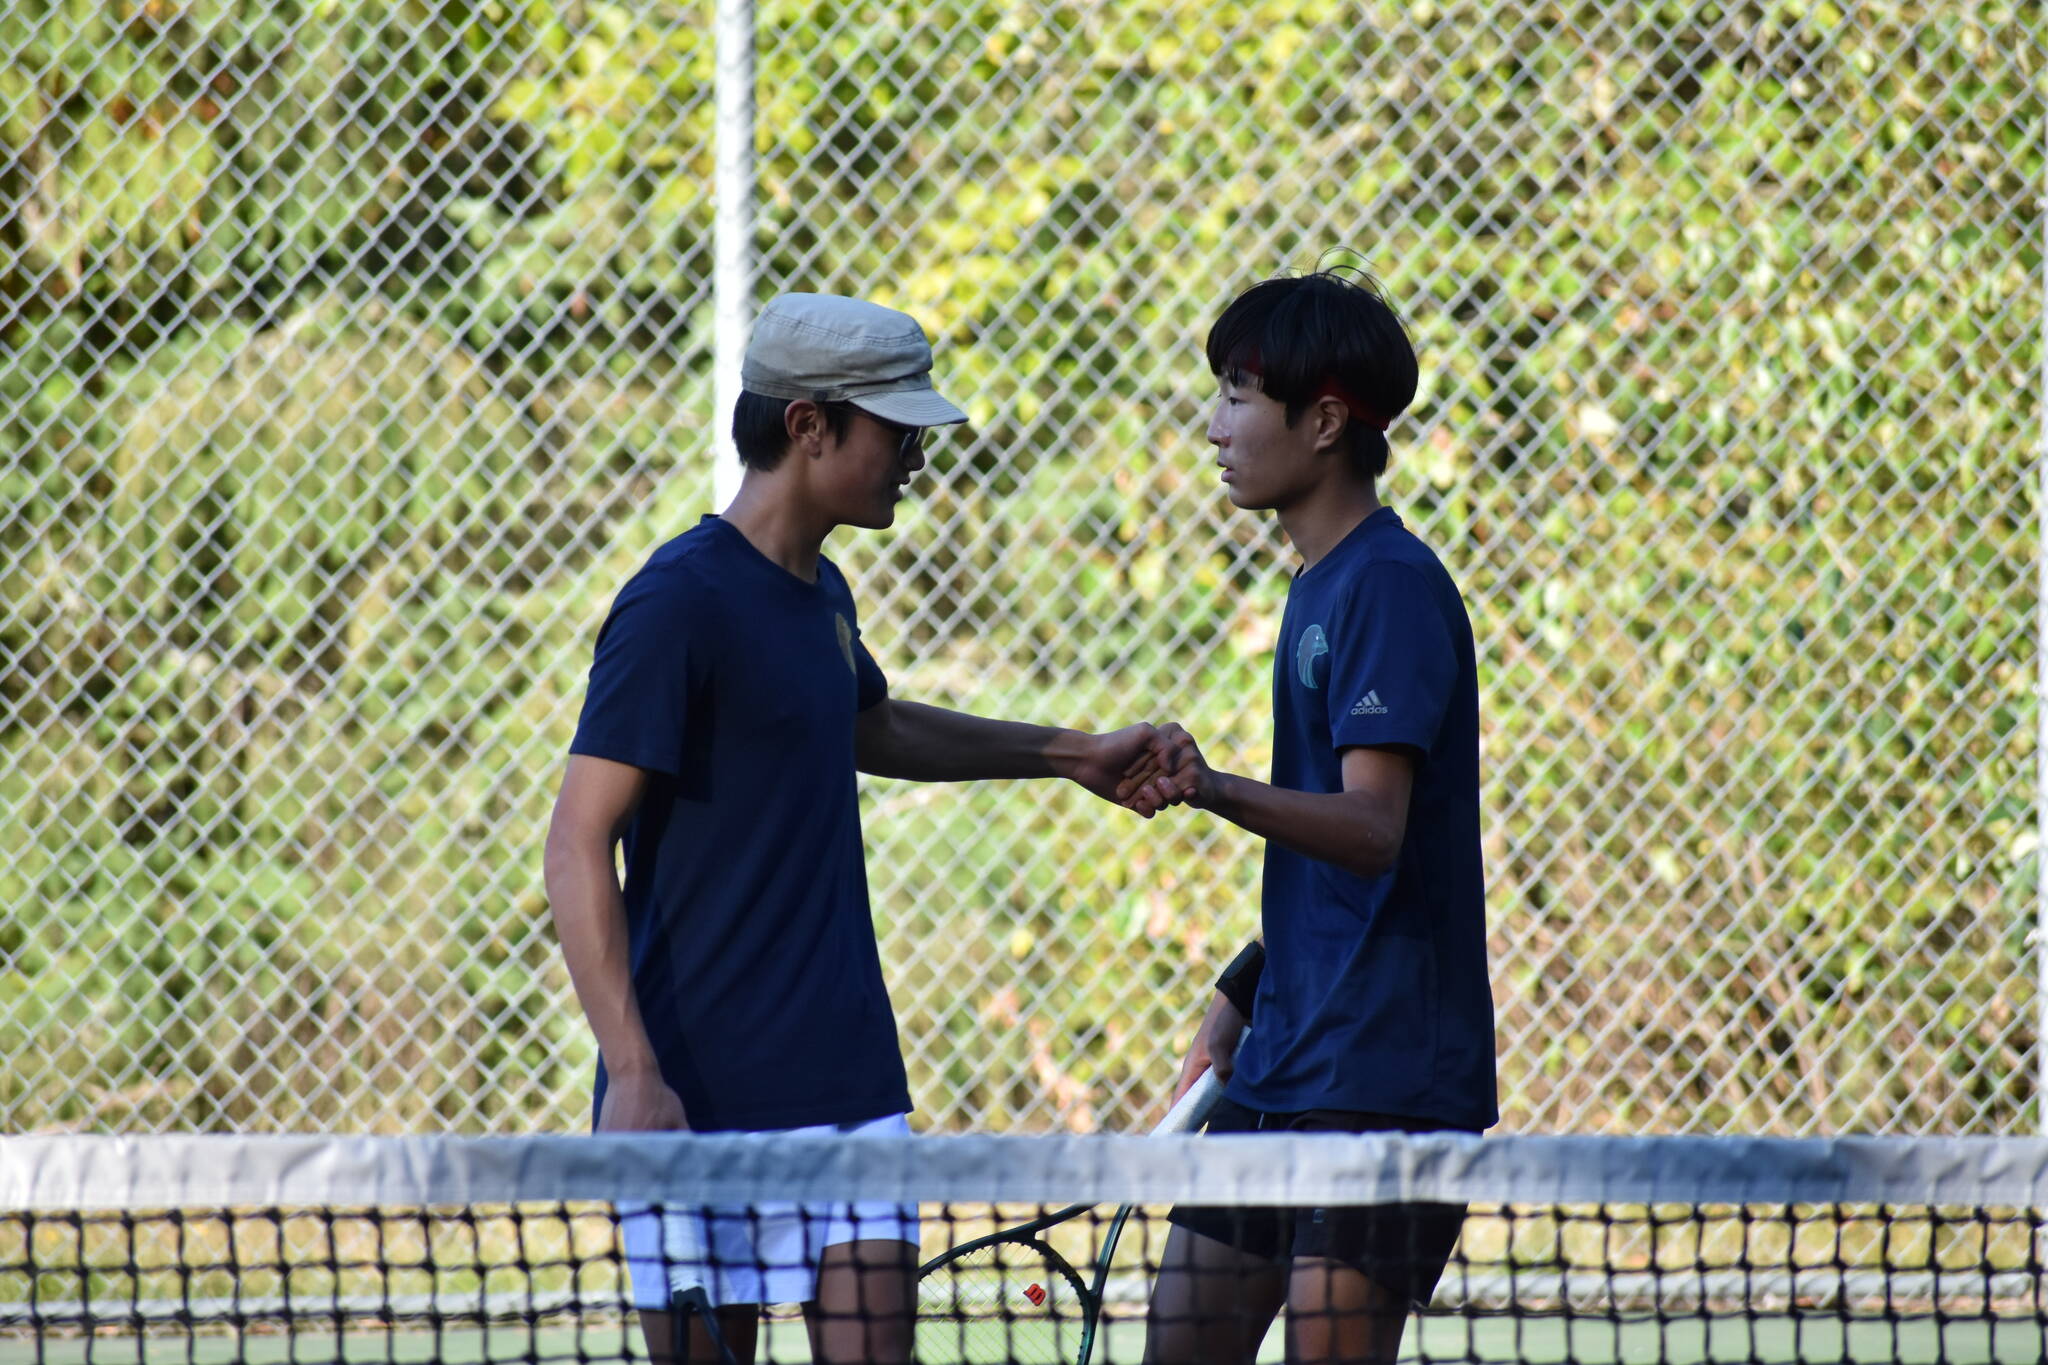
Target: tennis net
(1567,1249)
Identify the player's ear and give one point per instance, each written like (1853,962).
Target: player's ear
(1330,417)
(805,425)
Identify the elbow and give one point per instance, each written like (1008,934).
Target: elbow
(554,867)
(1371,840)
(566,848)
(1372,866)
(555,847)
(1374,854)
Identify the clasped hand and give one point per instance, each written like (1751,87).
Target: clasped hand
(1143,768)
(1167,769)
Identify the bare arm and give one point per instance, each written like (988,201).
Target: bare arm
(597,799)
(1358,829)
(930,744)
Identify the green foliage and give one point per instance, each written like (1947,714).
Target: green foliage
(354,353)
(297,667)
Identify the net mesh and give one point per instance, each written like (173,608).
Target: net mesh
(1027,1250)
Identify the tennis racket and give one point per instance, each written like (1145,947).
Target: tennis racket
(1011,1296)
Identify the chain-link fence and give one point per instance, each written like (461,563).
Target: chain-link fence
(352,355)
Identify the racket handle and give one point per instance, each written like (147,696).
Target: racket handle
(1191,1111)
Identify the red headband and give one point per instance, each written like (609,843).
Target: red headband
(1330,388)
(1358,410)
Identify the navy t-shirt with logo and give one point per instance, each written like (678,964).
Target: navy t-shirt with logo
(1375,993)
(734,684)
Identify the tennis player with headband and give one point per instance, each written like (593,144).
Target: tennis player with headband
(1370,988)
(733,982)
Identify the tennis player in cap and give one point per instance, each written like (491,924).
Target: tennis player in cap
(733,981)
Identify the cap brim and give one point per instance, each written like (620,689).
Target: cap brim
(911,408)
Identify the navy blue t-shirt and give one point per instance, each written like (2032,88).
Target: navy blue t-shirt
(1375,993)
(734,684)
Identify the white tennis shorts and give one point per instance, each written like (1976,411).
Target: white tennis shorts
(760,1253)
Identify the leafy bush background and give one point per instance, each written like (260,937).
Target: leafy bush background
(351,354)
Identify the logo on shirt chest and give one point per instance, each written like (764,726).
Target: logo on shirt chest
(845,632)
(1312,658)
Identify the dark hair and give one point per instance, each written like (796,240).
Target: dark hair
(760,436)
(1294,335)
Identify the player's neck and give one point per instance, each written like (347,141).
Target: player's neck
(786,533)
(1316,524)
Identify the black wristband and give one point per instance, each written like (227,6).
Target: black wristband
(1239,983)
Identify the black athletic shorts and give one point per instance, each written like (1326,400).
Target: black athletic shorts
(1401,1247)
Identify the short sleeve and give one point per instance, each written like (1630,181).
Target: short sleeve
(1392,666)
(871,684)
(643,680)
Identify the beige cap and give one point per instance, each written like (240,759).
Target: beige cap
(830,349)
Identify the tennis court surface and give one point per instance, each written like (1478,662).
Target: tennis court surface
(1573,1249)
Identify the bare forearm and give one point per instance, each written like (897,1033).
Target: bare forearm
(1347,829)
(590,922)
(931,744)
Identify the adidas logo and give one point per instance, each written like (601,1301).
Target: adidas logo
(1369,705)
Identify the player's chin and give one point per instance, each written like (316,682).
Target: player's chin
(1247,498)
